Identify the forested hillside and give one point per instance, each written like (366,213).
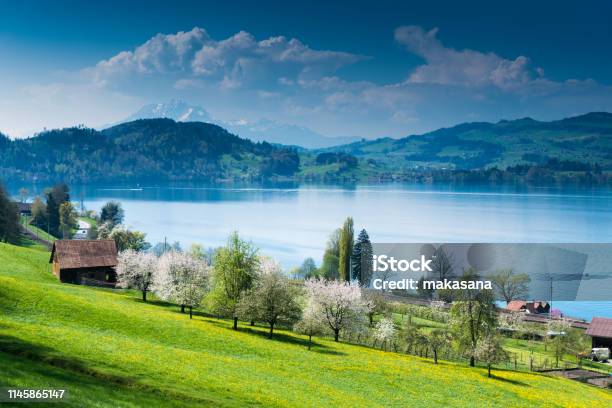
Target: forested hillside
(159,149)
(584,140)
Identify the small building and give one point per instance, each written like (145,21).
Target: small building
(529,307)
(24,208)
(600,331)
(88,262)
(80,234)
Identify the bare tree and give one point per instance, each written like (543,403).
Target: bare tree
(511,286)
(441,264)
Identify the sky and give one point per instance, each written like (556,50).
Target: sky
(359,69)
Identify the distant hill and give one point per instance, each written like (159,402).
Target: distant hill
(271,131)
(586,139)
(159,149)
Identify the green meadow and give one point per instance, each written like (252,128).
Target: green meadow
(108,348)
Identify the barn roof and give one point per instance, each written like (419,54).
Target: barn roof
(516,305)
(600,327)
(71,254)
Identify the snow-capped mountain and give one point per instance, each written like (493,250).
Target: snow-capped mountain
(175,109)
(267,130)
(273,131)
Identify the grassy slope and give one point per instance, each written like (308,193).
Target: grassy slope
(42,234)
(109,349)
(92,222)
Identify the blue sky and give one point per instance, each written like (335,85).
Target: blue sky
(365,69)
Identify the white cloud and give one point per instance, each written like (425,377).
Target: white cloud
(447,66)
(162,53)
(244,77)
(232,62)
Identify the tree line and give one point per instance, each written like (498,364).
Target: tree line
(345,258)
(54,213)
(240,284)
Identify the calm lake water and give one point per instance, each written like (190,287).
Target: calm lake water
(291,223)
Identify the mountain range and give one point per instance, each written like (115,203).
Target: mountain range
(271,131)
(175,109)
(577,149)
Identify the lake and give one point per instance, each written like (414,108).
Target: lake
(292,222)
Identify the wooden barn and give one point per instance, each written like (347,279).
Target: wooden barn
(85,261)
(600,331)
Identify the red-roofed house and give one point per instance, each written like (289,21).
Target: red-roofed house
(528,307)
(600,331)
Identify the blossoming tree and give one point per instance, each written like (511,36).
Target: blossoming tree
(340,303)
(311,323)
(384,332)
(136,270)
(182,279)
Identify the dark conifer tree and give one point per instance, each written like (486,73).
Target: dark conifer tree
(362,259)
(9,218)
(56,196)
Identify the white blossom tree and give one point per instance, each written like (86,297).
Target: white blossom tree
(384,332)
(438,309)
(340,303)
(182,279)
(511,321)
(268,265)
(136,270)
(311,323)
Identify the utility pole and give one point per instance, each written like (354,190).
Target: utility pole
(551,295)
